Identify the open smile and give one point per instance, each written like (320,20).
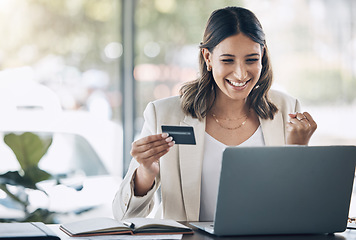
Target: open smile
(237,84)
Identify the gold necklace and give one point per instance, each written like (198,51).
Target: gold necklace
(230,119)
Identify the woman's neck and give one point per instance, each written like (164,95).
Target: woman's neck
(229,108)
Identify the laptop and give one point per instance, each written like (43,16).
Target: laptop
(283,190)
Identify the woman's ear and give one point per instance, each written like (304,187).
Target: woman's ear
(207,58)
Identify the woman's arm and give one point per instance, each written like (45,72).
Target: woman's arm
(135,197)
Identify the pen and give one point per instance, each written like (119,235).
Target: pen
(129,224)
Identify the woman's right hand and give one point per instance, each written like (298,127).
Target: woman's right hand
(147,151)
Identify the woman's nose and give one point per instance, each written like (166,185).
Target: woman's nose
(240,72)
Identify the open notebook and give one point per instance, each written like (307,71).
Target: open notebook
(283,190)
(108,226)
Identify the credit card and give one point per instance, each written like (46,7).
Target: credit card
(180,134)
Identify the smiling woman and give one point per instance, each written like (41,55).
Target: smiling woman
(229,104)
(238,52)
(313,55)
(236,77)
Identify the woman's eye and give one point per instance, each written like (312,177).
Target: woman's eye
(252,60)
(227,60)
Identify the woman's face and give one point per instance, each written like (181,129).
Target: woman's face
(236,65)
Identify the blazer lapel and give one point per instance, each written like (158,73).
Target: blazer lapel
(191,158)
(273,130)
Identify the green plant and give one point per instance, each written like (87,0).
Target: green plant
(29,149)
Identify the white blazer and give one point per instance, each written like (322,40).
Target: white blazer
(180,168)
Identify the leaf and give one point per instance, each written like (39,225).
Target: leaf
(28,180)
(29,148)
(14,178)
(35,175)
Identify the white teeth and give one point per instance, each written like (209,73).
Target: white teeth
(236,84)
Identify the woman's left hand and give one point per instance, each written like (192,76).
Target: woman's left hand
(300,128)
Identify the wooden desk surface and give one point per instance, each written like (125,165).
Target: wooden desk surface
(201,235)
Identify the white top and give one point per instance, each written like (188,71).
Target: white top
(211,171)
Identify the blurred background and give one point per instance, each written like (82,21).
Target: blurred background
(84,71)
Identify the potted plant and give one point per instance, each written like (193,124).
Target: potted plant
(29,149)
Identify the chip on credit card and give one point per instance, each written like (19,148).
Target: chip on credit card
(180,134)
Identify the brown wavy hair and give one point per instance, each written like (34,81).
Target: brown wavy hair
(198,96)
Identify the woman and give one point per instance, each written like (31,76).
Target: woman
(230,104)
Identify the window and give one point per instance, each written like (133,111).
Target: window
(71,47)
(59,75)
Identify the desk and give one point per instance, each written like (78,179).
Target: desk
(201,235)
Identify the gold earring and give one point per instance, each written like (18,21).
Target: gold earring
(208,68)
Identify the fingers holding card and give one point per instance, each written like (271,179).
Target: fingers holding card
(180,134)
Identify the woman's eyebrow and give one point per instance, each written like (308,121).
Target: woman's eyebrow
(227,55)
(253,55)
(231,55)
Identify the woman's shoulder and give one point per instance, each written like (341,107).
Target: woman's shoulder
(281,98)
(169,102)
(166,108)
